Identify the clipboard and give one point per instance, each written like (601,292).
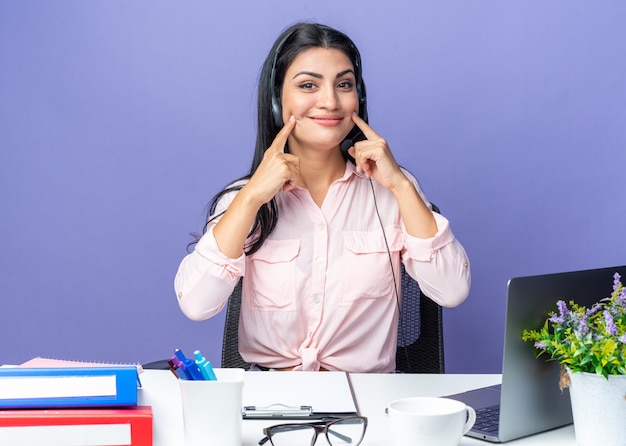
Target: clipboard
(297,395)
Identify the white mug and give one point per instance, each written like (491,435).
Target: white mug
(429,421)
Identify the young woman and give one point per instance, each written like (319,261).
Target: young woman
(317,232)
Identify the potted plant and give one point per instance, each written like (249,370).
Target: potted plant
(590,345)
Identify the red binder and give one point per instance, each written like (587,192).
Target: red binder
(93,427)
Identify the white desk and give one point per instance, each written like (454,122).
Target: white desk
(373,393)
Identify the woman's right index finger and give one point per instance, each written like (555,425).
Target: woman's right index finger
(283,134)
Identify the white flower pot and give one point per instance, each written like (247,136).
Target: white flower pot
(599,409)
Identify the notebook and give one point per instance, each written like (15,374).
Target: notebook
(529,399)
(39,361)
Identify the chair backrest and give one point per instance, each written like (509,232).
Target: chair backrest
(420,333)
(230,344)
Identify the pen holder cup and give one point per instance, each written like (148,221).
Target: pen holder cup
(212,409)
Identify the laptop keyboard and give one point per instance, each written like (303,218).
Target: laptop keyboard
(487,419)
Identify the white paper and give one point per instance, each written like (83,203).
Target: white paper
(23,387)
(325,392)
(79,435)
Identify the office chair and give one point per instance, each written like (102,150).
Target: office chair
(420,334)
(420,331)
(230,343)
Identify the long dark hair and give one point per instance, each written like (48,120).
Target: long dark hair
(293,40)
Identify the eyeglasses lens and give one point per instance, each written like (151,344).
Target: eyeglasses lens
(293,435)
(348,431)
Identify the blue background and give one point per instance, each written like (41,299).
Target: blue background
(119,120)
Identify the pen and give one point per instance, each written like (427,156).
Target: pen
(190,367)
(180,355)
(180,368)
(205,366)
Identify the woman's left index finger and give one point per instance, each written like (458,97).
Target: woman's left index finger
(364,126)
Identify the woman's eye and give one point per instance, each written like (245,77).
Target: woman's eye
(346,85)
(307,85)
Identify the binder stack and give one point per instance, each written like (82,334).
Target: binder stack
(65,406)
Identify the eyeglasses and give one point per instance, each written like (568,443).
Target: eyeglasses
(338,431)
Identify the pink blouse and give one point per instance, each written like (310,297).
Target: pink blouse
(320,291)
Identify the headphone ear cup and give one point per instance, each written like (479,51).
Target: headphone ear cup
(277,112)
(362,103)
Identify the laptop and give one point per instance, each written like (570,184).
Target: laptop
(529,399)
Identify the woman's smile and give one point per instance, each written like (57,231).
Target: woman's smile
(327,120)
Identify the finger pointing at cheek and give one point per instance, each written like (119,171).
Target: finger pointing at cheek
(364,127)
(278,145)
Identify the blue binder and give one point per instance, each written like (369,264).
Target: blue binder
(68,387)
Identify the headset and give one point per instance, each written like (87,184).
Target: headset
(277,111)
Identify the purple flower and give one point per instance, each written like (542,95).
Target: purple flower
(540,345)
(555,319)
(563,312)
(583,328)
(616,281)
(622,339)
(593,310)
(562,308)
(621,299)
(611,328)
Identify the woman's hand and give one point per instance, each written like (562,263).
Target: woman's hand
(373,157)
(278,170)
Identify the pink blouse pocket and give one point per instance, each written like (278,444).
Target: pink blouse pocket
(270,280)
(366,267)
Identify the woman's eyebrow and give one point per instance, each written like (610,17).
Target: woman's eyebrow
(344,72)
(319,76)
(308,73)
